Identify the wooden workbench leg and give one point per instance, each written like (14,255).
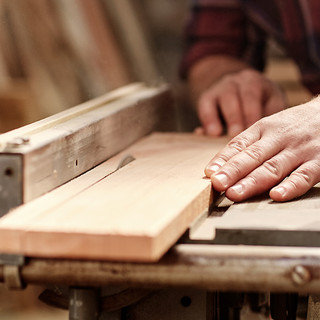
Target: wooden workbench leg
(314,307)
(84,303)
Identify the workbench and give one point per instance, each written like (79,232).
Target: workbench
(212,260)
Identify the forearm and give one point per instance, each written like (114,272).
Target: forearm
(209,70)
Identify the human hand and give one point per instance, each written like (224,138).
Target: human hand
(241,98)
(261,157)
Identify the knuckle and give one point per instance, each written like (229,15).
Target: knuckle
(274,167)
(249,74)
(252,94)
(308,137)
(234,168)
(228,84)
(263,125)
(228,78)
(255,152)
(252,180)
(294,185)
(238,144)
(304,176)
(208,95)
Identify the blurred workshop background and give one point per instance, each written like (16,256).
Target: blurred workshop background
(57,54)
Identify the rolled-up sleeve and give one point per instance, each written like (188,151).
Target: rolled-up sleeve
(214,27)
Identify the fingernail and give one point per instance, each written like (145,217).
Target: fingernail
(221,178)
(237,188)
(212,169)
(213,130)
(199,131)
(280,190)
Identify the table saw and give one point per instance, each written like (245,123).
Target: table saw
(108,206)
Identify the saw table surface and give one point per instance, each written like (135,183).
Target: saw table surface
(261,221)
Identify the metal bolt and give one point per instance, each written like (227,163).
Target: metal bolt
(17,142)
(300,275)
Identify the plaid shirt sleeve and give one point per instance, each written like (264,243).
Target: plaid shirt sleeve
(220,27)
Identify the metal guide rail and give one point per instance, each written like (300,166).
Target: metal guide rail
(43,155)
(189,272)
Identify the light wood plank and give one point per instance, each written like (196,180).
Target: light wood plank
(65,145)
(134,214)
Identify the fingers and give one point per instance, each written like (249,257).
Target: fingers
(242,98)
(252,104)
(209,115)
(245,162)
(264,155)
(298,183)
(234,147)
(231,109)
(223,97)
(199,131)
(265,176)
(270,173)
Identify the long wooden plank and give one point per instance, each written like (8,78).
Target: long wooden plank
(135,214)
(62,146)
(64,116)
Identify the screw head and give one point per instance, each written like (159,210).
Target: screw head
(17,142)
(300,275)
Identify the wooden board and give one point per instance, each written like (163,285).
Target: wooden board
(134,214)
(61,147)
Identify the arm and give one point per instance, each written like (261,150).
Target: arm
(219,65)
(280,152)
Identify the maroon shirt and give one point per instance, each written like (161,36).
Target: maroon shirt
(240,28)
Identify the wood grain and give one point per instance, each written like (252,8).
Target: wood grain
(134,214)
(63,146)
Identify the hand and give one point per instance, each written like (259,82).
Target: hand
(286,144)
(242,98)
